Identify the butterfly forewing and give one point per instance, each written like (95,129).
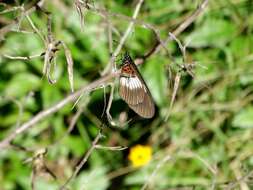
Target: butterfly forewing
(133,89)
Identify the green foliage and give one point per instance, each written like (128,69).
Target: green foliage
(210,128)
(244,119)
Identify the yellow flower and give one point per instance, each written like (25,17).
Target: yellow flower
(140,155)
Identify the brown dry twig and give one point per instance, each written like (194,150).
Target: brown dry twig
(45,113)
(26,10)
(84,160)
(179,29)
(102,81)
(39,165)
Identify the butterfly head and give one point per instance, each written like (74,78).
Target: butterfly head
(127,66)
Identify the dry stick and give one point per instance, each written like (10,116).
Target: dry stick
(133,20)
(29,9)
(107,14)
(11,9)
(120,172)
(78,5)
(72,97)
(84,160)
(112,148)
(179,29)
(109,30)
(172,36)
(43,114)
(238,181)
(109,117)
(175,88)
(70,64)
(178,75)
(71,126)
(190,154)
(22,58)
(36,30)
(109,67)
(123,39)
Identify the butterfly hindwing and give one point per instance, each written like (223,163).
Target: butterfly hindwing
(146,108)
(133,89)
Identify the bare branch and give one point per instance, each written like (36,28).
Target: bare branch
(109,117)
(113,148)
(84,160)
(123,39)
(22,58)
(70,64)
(43,114)
(179,29)
(174,93)
(36,30)
(79,4)
(31,7)
(71,126)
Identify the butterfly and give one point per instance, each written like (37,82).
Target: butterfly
(133,89)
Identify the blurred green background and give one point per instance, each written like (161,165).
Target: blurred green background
(210,129)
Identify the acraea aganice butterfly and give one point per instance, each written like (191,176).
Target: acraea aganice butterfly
(133,89)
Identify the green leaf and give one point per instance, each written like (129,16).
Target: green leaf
(242,43)
(75,145)
(93,179)
(21,84)
(155,77)
(213,32)
(244,119)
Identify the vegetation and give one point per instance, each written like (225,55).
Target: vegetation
(196,58)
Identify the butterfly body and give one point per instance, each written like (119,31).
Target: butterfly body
(134,90)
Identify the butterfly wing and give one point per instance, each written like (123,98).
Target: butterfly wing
(135,93)
(131,90)
(146,108)
(134,90)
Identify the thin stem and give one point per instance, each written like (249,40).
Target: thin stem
(43,114)
(84,160)
(123,39)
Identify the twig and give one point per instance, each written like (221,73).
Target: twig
(174,93)
(71,126)
(178,75)
(179,29)
(39,165)
(84,160)
(31,7)
(70,64)
(109,117)
(79,4)
(11,9)
(113,148)
(36,30)
(123,39)
(188,153)
(120,172)
(22,58)
(232,185)
(43,114)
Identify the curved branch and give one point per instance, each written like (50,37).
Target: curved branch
(179,29)
(43,114)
